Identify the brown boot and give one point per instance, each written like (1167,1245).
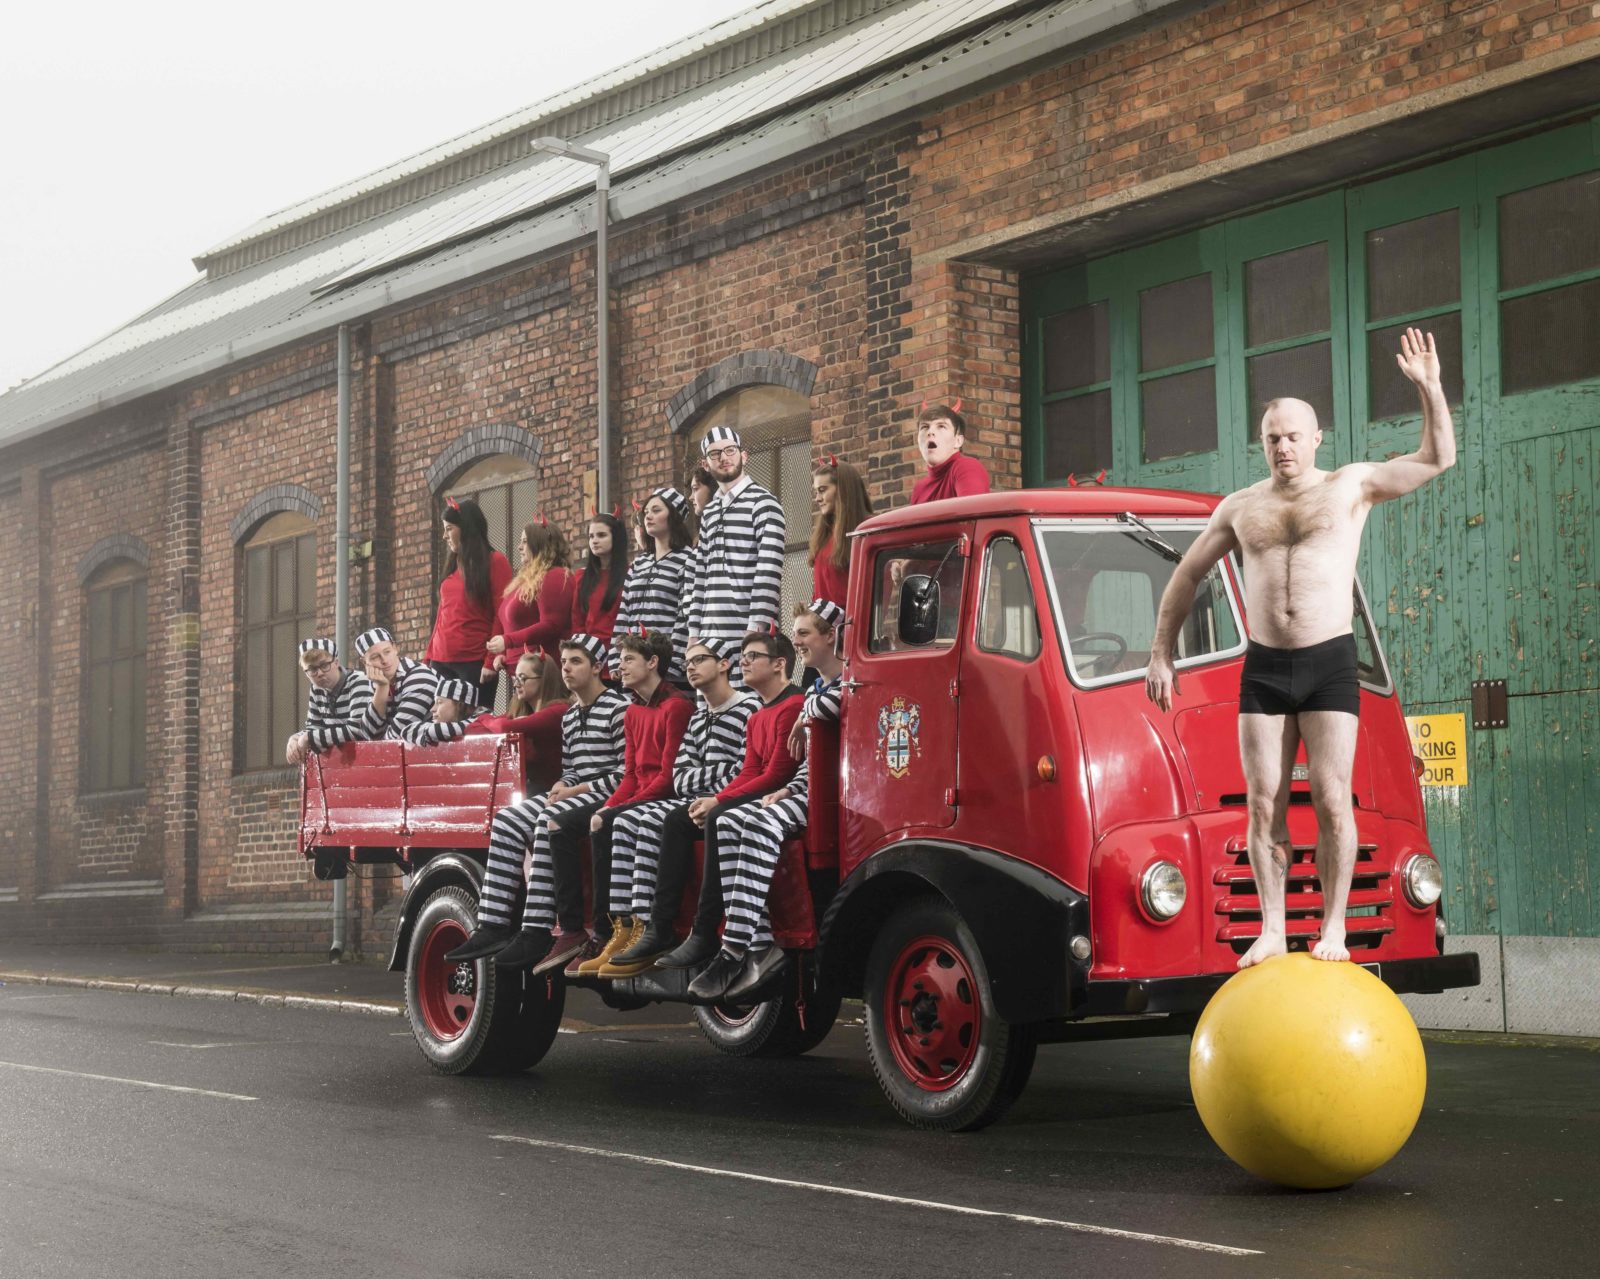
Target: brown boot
(639,954)
(621,931)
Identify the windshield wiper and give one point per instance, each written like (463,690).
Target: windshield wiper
(1149,537)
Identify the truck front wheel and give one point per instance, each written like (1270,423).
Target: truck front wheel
(941,1053)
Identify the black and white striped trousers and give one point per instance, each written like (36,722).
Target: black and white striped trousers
(519,850)
(750,839)
(636,854)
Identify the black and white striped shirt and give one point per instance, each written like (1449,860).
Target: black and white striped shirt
(592,742)
(334,716)
(431,732)
(739,574)
(825,704)
(411,696)
(653,596)
(713,746)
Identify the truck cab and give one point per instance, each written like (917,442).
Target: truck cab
(1009,844)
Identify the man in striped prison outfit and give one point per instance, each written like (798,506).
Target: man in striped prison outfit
(768,764)
(654,594)
(591,757)
(711,754)
(339,700)
(739,571)
(453,712)
(752,837)
(403,691)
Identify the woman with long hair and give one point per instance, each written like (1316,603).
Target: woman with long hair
(599,592)
(536,607)
(659,578)
(842,503)
(475,577)
(539,699)
(702,487)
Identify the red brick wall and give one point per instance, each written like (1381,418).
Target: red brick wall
(116,836)
(16,647)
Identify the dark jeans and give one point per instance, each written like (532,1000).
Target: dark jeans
(677,853)
(566,857)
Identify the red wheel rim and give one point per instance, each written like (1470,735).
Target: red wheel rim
(931,1013)
(446,993)
(733,1016)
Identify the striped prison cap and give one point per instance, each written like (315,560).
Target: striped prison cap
(458,690)
(368,640)
(317,644)
(726,650)
(718,436)
(676,502)
(597,649)
(828,611)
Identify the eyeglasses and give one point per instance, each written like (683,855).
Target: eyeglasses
(524,679)
(727,451)
(699,658)
(754,653)
(312,671)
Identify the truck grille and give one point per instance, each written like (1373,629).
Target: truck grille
(1367,918)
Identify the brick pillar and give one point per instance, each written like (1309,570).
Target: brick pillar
(180,718)
(890,461)
(33,820)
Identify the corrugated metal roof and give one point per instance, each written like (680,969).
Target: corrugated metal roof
(504,218)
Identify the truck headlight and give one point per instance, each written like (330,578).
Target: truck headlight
(1162,890)
(1420,876)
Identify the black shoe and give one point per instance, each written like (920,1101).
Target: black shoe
(531,945)
(658,939)
(691,954)
(483,942)
(760,969)
(711,985)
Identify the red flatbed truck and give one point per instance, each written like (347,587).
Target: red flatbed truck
(1009,844)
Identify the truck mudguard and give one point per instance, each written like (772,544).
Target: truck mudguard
(1022,918)
(443,868)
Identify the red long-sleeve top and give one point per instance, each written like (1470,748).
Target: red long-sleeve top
(541,741)
(541,623)
(463,627)
(767,762)
(828,582)
(597,619)
(651,732)
(957,476)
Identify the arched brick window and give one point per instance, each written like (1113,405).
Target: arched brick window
(278,608)
(115,629)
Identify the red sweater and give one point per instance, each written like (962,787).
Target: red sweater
(597,619)
(957,476)
(827,582)
(541,741)
(651,732)
(463,628)
(767,762)
(541,624)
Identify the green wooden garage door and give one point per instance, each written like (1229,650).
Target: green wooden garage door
(1154,363)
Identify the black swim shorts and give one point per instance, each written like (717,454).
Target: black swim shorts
(1286,681)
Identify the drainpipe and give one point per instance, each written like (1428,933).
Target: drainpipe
(341,583)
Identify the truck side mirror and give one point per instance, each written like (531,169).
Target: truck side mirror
(919,610)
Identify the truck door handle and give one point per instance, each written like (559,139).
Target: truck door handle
(850,685)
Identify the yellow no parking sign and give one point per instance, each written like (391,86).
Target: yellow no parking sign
(1441,742)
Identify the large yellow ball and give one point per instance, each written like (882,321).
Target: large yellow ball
(1307,1073)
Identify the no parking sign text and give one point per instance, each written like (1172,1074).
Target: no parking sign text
(1441,742)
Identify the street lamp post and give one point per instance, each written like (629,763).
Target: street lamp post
(602,192)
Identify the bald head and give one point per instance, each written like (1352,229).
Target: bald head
(1289,412)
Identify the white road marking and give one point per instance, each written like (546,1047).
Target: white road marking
(1140,1236)
(232,1043)
(118,1079)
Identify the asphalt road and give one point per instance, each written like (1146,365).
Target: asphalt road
(144,1136)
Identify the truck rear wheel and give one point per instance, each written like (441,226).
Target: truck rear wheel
(941,1053)
(462,1017)
(780,1027)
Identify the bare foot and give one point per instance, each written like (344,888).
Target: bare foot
(1267,945)
(1330,945)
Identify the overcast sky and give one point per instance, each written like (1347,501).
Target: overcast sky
(134,139)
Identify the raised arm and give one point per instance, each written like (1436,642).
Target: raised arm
(1161,680)
(1385,481)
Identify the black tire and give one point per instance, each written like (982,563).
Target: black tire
(460,1015)
(540,1002)
(773,1028)
(944,1058)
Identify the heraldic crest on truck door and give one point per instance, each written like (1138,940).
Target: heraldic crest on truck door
(899,735)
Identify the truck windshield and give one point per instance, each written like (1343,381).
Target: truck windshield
(1106,586)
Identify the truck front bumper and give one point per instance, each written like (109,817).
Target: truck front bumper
(1429,975)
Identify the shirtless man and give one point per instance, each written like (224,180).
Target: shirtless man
(1299,531)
